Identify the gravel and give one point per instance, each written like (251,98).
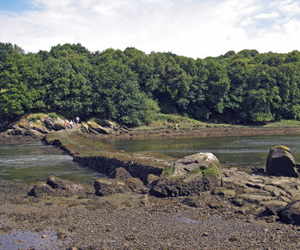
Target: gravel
(132,221)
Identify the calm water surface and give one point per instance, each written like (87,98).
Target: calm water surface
(245,150)
(35,162)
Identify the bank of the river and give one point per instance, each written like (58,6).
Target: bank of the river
(205,129)
(212,220)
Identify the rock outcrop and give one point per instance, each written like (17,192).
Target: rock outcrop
(41,189)
(191,175)
(291,213)
(44,124)
(121,182)
(98,129)
(280,162)
(54,124)
(104,187)
(58,187)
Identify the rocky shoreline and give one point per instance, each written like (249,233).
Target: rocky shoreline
(242,213)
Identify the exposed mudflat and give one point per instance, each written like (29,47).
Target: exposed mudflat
(134,221)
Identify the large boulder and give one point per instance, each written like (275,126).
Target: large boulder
(291,213)
(280,162)
(189,176)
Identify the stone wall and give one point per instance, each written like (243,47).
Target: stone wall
(107,165)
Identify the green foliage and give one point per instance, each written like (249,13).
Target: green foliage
(53,115)
(35,118)
(131,87)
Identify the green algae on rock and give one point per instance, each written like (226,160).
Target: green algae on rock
(188,176)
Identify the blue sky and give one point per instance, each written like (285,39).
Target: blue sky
(15,5)
(194,28)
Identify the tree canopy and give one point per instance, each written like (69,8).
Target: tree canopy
(130,86)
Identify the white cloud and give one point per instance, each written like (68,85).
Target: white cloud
(190,27)
(267,15)
(288,7)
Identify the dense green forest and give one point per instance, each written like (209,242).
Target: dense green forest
(130,86)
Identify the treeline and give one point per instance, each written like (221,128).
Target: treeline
(130,87)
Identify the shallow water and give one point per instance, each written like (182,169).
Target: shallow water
(242,150)
(16,240)
(35,162)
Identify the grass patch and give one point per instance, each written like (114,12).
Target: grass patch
(283,124)
(169,121)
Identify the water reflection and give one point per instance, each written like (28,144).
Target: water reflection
(235,149)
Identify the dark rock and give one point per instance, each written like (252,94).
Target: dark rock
(191,202)
(104,187)
(270,210)
(152,180)
(280,162)
(41,189)
(291,213)
(178,187)
(120,173)
(238,202)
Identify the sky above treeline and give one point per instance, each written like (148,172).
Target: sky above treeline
(192,28)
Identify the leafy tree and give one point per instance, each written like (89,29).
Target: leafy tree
(143,66)
(116,93)
(21,81)
(218,85)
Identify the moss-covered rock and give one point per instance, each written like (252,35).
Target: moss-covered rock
(191,175)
